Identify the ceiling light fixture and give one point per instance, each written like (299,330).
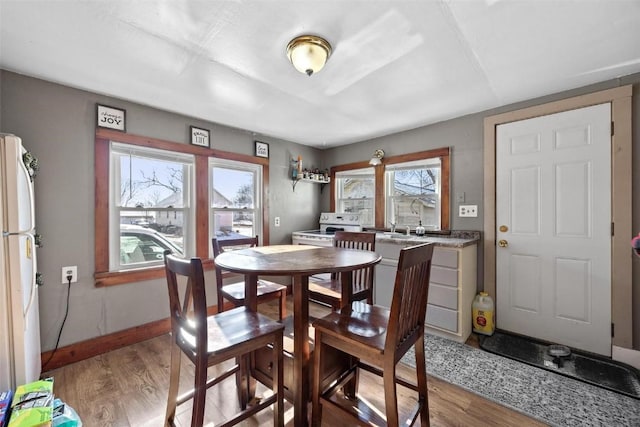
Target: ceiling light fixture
(308,54)
(378,155)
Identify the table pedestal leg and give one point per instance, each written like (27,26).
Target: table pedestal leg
(250,301)
(301,350)
(350,389)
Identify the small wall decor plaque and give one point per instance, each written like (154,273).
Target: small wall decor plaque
(262,149)
(111,118)
(200,136)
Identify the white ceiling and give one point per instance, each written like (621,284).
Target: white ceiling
(396,65)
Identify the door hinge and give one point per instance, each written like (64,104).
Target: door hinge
(612,129)
(613,330)
(613,229)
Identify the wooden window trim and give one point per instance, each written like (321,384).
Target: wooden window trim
(103,137)
(444,154)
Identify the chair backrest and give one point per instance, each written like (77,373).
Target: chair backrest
(189,313)
(362,279)
(409,302)
(220,246)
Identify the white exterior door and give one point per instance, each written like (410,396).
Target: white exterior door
(553,228)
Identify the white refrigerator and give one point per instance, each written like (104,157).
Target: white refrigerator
(19,315)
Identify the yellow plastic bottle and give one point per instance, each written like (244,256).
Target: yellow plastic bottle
(483,314)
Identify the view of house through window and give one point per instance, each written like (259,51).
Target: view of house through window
(150,206)
(412,193)
(355,192)
(235,199)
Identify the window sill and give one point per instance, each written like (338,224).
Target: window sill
(112,278)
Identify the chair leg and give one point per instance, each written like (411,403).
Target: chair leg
(390,396)
(350,389)
(316,410)
(278,380)
(220,302)
(242,381)
(421,373)
(174,382)
(200,393)
(283,304)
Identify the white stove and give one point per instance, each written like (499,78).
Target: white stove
(330,222)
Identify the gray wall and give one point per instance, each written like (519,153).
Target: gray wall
(57,124)
(465,137)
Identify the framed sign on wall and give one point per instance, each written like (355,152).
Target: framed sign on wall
(200,136)
(111,117)
(262,149)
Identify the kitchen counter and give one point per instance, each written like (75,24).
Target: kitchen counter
(457,238)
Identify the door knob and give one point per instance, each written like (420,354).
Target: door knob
(503,243)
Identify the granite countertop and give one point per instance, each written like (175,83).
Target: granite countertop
(457,238)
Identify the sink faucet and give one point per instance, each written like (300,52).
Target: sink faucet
(408,230)
(393,226)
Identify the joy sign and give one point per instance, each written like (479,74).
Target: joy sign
(112,118)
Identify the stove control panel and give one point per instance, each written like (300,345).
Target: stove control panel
(339,218)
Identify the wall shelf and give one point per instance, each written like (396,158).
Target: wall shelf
(294,182)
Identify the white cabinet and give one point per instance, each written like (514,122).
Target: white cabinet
(452,286)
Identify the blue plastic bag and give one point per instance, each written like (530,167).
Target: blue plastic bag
(64,415)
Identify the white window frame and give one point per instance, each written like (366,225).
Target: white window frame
(389,198)
(355,174)
(256,170)
(116,150)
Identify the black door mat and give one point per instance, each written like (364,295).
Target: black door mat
(583,366)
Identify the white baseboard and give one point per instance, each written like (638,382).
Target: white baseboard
(626,355)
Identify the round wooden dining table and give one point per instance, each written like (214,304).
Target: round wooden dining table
(299,262)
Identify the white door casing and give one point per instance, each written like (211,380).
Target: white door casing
(553,197)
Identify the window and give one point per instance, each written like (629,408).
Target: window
(404,190)
(355,192)
(235,199)
(412,193)
(150,205)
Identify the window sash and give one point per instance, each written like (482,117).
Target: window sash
(116,208)
(364,205)
(412,209)
(228,220)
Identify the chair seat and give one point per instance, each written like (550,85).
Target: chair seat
(363,323)
(326,287)
(229,329)
(235,291)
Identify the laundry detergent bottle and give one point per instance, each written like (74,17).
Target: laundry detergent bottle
(483,314)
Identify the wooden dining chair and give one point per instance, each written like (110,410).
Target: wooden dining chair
(211,340)
(326,288)
(234,292)
(377,338)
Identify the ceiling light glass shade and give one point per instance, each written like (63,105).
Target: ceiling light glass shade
(308,54)
(376,160)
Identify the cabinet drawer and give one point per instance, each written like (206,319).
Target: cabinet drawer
(443,318)
(445,257)
(444,276)
(443,296)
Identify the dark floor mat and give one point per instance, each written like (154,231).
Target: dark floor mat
(582,366)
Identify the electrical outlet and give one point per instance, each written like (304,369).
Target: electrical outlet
(468,211)
(70,271)
(276,221)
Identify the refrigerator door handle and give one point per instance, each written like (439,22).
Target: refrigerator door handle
(32,226)
(34,286)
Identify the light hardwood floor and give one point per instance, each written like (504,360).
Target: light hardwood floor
(128,387)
